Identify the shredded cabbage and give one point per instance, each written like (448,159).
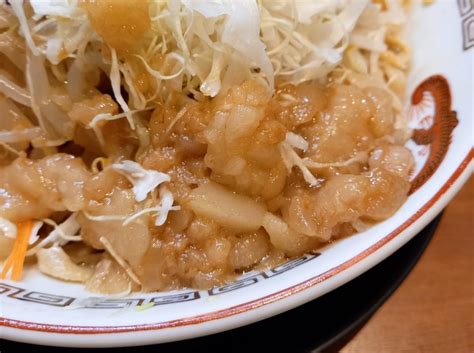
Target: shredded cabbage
(296,141)
(217,44)
(162,211)
(116,86)
(292,159)
(206,47)
(34,232)
(60,235)
(166,205)
(144,181)
(58,8)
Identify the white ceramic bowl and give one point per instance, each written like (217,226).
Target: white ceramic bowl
(45,311)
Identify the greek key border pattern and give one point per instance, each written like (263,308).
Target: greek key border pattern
(13,292)
(466,11)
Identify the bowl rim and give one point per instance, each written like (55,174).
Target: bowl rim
(453,183)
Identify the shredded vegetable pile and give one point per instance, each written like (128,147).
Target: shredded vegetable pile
(70,80)
(198,47)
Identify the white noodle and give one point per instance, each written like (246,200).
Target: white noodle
(17,6)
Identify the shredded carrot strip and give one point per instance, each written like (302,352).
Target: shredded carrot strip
(16,259)
(7,265)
